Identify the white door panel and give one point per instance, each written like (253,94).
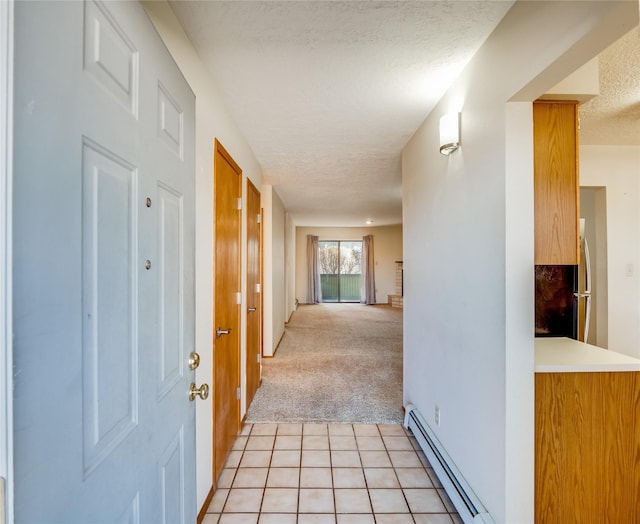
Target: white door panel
(104,297)
(109,303)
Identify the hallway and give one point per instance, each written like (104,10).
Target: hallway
(334,473)
(322,443)
(335,363)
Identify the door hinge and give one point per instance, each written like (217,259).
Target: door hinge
(240,204)
(239,298)
(257,288)
(238,393)
(258,358)
(259,218)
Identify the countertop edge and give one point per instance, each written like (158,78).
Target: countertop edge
(599,368)
(564,355)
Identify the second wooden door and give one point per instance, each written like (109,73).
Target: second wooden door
(254,292)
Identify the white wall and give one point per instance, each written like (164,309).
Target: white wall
(387,248)
(290,269)
(468,247)
(212,121)
(617,170)
(275,304)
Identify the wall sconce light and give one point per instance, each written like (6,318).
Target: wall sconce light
(449,133)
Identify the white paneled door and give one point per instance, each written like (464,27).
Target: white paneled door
(103,285)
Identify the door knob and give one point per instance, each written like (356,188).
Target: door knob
(194,360)
(202,391)
(251,310)
(220,332)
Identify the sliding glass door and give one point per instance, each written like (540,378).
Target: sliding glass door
(339,263)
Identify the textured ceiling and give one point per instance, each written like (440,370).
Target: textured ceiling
(328,92)
(613,117)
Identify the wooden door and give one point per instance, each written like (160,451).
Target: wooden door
(254,292)
(227,187)
(104,256)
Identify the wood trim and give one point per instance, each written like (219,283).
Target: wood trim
(220,149)
(279,342)
(261,284)
(207,502)
(277,346)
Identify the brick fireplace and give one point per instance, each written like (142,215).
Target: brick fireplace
(396,299)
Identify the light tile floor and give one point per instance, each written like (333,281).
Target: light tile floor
(328,474)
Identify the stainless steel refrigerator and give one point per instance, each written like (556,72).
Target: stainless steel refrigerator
(563,297)
(582,294)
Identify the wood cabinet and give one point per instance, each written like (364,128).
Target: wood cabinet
(587,447)
(556,184)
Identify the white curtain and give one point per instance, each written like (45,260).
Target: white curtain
(314,292)
(368,285)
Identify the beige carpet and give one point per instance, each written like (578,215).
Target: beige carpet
(336,363)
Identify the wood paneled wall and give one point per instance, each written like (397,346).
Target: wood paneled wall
(587,447)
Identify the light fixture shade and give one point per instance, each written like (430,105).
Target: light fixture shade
(449,133)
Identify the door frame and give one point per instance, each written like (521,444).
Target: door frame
(6,348)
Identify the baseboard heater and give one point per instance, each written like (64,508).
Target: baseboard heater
(466,502)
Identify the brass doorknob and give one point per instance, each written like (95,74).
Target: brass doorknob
(194,360)
(202,391)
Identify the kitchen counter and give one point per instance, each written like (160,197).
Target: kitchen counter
(587,433)
(565,355)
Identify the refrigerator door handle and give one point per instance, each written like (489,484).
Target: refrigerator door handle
(587,315)
(587,267)
(587,289)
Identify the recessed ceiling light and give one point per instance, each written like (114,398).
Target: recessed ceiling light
(369,221)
